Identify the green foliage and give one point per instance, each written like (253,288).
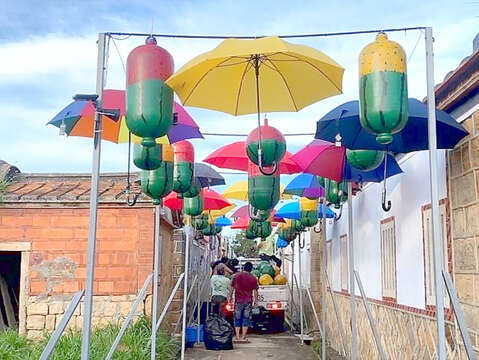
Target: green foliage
(3,188)
(245,247)
(134,345)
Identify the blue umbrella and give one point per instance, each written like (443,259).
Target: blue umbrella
(376,175)
(344,120)
(223,221)
(292,211)
(281,243)
(305,185)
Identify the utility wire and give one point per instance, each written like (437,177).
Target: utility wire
(215,37)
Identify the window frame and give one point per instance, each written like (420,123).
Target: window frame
(388,224)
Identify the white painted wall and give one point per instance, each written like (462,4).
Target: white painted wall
(408,192)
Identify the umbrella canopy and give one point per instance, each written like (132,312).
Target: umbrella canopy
(214,214)
(233,156)
(292,210)
(239,191)
(211,200)
(306,185)
(240,223)
(344,120)
(207,176)
(322,158)
(78,120)
(285,77)
(223,221)
(241,212)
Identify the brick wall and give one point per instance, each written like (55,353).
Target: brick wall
(57,266)
(464,183)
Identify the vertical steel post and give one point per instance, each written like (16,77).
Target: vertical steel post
(292,278)
(354,329)
(100,78)
(323,281)
(300,290)
(198,302)
(156,275)
(185,288)
(433,174)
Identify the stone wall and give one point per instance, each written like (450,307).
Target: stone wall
(464,184)
(404,334)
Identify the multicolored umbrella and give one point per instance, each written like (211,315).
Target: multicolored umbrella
(233,156)
(239,191)
(77,119)
(306,185)
(206,176)
(241,223)
(211,200)
(344,120)
(292,210)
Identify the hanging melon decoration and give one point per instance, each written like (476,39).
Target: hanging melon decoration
(383,88)
(200,222)
(309,211)
(365,160)
(297,225)
(193,206)
(336,193)
(193,191)
(218,229)
(209,230)
(259,215)
(149,101)
(273,145)
(147,157)
(159,182)
(262,229)
(250,234)
(263,190)
(184,166)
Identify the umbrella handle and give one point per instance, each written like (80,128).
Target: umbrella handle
(253,213)
(303,244)
(317,231)
(337,217)
(129,200)
(387,207)
(263,170)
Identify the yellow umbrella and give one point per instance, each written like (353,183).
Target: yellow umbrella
(248,76)
(239,191)
(214,214)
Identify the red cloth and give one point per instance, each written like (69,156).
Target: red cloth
(244,283)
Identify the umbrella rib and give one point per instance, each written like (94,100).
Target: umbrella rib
(201,79)
(285,83)
(246,69)
(317,68)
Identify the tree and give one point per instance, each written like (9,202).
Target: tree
(245,247)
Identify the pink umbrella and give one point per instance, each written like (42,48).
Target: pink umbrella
(322,158)
(241,212)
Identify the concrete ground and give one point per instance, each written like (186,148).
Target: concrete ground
(283,346)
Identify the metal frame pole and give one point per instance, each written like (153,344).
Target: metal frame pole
(372,322)
(433,174)
(300,290)
(198,301)
(128,319)
(354,329)
(156,275)
(185,289)
(48,350)
(338,317)
(315,313)
(170,300)
(459,315)
(292,275)
(323,281)
(100,78)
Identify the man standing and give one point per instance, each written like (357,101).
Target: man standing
(245,288)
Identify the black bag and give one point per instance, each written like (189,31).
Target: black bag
(218,333)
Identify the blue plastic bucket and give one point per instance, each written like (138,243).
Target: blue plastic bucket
(192,334)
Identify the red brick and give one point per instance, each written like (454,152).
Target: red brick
(80,233)
(80,273)
(70,286)
(117,245)
(37,287)
(17,220)
(49,245)
(70,221)
(77,245)
(121,272)
(110,233)
(55,233)
(124,287)
(121,259)
(105,286)
(101,272)
(14,234)
(104,259)
(128,221)
(107,221)
(42,221)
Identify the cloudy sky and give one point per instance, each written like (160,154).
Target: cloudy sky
(48,53)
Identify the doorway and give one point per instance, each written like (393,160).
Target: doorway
(10,279)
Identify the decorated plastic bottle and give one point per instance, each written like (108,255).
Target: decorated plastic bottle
(184,166)
(273,145)
(296,225)
(147,157)
(365,160)
(263,190)
(159,182)
(193,206)
(258,215)
(250,234)
(193,191)
(309,211)
(383,88)
(200,222)
(262,229)
(336,193)
(149,101)
(209,230)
